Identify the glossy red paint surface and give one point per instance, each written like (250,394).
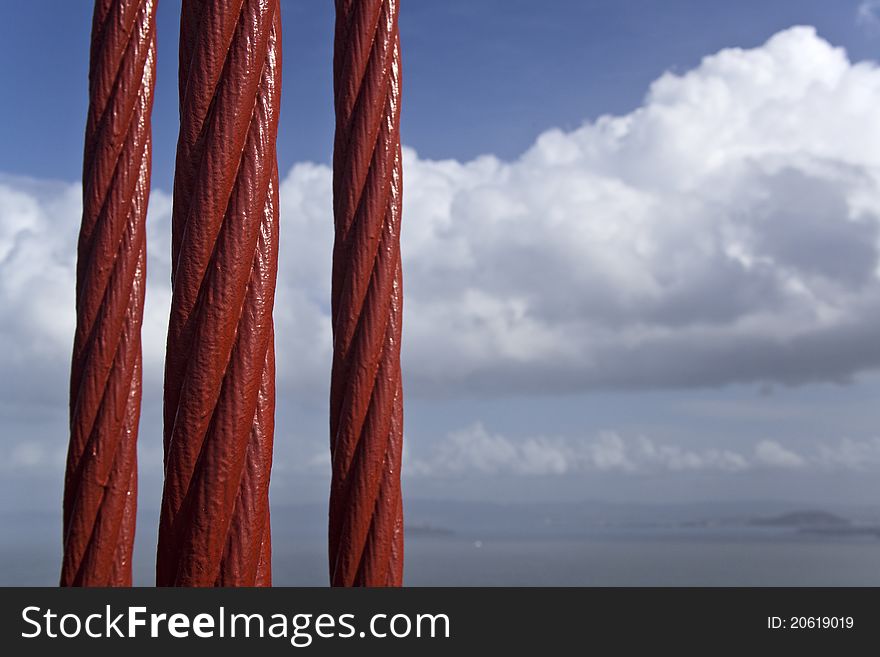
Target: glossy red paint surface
(220,360)
(100,486)
(366,396)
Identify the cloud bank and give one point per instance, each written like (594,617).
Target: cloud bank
(474,450)
(725,231)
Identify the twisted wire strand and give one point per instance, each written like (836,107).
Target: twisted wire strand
(366,397)
(100,485)
(219,369)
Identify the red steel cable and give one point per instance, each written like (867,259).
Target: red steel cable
(366,397)
(100,485)
(220,360)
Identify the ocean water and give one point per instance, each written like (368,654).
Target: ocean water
(644,557)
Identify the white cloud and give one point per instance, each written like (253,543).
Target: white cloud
(725,231)
(474,450)
(851,454)
(39,224)
(772,454)
(675,458)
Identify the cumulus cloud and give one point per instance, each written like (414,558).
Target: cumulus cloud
(39,224)
(725,231)
(851,454)
(474,450)
(771,453)
(38,231)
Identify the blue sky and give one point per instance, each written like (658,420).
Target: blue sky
(674,302)
(480,77)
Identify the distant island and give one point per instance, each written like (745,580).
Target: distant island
(806,522)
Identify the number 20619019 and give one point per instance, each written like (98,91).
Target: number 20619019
(810,623)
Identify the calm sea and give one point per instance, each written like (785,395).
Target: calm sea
(663,557)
